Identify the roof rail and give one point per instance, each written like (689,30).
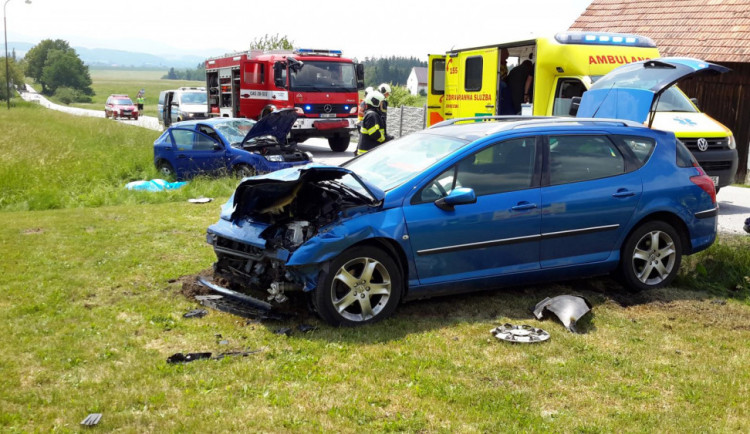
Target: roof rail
(561,120)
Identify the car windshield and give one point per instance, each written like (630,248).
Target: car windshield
(323,77)
(396,162)
(123,101)
(235,130)
(194,98)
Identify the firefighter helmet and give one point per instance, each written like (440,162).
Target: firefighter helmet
(374,98)
(384,88)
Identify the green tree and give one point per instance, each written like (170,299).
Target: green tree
(63,68)
(16,77)
(36,58)
(272,42)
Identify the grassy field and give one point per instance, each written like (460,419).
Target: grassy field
(107,81)
(92,306)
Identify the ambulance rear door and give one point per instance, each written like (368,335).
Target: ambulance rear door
(435,89)
(475,91)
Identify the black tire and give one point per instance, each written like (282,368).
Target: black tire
(339,142)
(644,266)
(166,170)
(244,171)
(362,285)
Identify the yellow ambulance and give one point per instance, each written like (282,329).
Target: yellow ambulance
(481,81)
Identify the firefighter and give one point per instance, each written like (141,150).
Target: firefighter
(385,89)
(373,127)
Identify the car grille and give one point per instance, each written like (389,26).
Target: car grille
(295,156)
(710,166)
(321,108)
(232,247)
(713,143)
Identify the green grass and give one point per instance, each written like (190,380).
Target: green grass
(92,310)
(92,307)
(51,160)
(106,82)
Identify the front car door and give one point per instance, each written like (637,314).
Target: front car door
(499,234)
(195,152)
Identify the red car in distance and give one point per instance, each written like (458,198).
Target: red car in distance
(120,106)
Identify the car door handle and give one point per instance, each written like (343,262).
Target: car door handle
(523,206)
(181,156)
(624,192)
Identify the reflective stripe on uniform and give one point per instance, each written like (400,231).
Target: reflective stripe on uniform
(373,130)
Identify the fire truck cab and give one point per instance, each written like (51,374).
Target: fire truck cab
(470,82)
(320,84)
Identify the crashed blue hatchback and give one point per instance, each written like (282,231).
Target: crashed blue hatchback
(228,145)
(464,206)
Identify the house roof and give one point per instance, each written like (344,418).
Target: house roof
(713,30)
(421,73)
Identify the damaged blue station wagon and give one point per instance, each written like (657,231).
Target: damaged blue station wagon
(464,206)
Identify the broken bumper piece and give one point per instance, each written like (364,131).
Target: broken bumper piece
(568,308)
(237,303)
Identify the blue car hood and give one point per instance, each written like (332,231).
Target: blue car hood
(631,91)
(272,189)
(276,124)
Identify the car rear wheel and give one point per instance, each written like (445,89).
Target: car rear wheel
(339,142)
(651,256)
(166,170)
(361,286)
(244,171)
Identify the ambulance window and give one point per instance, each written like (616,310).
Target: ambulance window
(567,88)
(473,80)
(438,77)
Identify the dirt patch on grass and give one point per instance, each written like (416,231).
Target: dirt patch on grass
(32,231)
(189,285)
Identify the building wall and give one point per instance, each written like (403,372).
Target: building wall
(726,98)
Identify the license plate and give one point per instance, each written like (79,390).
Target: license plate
(715,179)
(328,115)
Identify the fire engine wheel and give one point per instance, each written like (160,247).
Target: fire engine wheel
(339,142)
(244,171)
(361,286)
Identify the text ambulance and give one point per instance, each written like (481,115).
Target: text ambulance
(467,83)
(321,84)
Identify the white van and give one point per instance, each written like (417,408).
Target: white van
(184,103)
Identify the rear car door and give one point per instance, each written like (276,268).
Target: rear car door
(477,87)
(499,234)
(590,191)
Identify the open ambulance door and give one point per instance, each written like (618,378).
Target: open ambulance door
(471,83)
(435,89)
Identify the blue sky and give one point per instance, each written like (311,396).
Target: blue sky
(401,28)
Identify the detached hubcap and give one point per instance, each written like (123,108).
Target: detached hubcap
(654,257)
(361,289)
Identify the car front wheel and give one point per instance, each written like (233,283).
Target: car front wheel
(244,171)
(361,286)
(651,256)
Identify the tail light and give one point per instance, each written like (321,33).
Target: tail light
(703,181)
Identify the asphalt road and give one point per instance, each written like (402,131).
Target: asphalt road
(734,202)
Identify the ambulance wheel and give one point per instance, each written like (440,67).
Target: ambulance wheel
(339,142)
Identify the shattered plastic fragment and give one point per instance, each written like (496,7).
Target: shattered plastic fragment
(304,328)
(525,334)
(92,419)
(196,313)
(283,331)
(568,308)
(189,357)
(200,200)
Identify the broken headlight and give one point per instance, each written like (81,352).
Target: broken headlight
(277,158)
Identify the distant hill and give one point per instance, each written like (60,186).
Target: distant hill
(102,57)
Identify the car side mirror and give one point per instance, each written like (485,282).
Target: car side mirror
(695,101)
(459,196)
(218,146)
(575,102)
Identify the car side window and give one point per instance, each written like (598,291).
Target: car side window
(684,157)
(183,139)
(642,147)
(440,187)
(581,158)
(502,167)
(209,132)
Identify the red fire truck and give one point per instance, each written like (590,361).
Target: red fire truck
(321,84)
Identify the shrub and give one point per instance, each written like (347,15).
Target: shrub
(65,95)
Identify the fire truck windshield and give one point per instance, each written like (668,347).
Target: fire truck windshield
(319,76)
